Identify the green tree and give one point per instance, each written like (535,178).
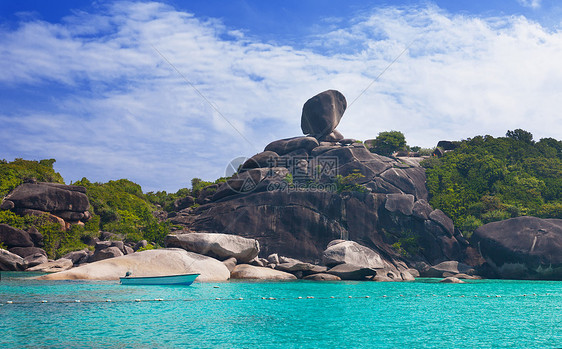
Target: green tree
(520,135)
(121,207)
(387,143)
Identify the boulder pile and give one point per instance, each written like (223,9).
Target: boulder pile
(301,193)
(61,204)
(64,204)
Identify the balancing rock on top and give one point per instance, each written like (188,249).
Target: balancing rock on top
(322,113)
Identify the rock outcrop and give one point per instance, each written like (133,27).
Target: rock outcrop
(59,265)
(322,113)
(350,252)
(63,203)
(221,246)
(10,261)
(78,257)
(322,277)
(148,263)
(35,259)
(13,237)
(352,261)
(246,271)
(303,192)
(522,247)
(448,268)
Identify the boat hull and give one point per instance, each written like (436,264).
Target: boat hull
(184,279)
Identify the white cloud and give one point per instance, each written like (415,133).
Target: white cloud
(118,110)
(534,4)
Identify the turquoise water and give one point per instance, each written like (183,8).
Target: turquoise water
(420,314)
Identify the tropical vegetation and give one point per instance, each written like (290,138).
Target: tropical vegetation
(487,179)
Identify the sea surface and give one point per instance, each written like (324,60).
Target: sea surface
(296,314)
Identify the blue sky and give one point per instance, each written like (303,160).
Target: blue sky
(89,84)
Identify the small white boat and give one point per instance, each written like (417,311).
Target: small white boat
(182,279)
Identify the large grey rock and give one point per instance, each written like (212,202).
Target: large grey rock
(421,209)
(357,160)
(13,237)
(522,247)
(408,180)
(322,277)
(298,266)
(10,261)
(27,251)
(350,252)
(185,202)
(230,263)
(59,265)
(105,253)
(35,259)
(78,257)
(352,272)
(399,203)
(49,197)
(221,246)
(445,222)
(289,145)
(447,267)
(265,159)
(246,271)
(322,113)
(249,181)
(299,223)
(387,201)
(148,263)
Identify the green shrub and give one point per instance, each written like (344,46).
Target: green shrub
(468,225)
(197,185)
(407,244)
(349,182)
(147,247)
(288,178)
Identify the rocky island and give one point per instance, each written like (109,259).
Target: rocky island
(318,206)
